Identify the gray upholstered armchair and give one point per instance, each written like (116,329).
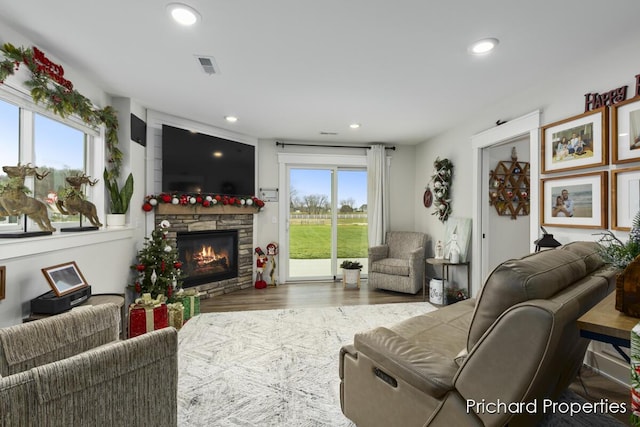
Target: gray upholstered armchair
(398,265)
(71,369)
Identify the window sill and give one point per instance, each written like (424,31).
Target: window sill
(28,246)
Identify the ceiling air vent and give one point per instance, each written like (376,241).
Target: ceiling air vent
(322,132)
(208,64)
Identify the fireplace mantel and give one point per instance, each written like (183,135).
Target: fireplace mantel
(170,209)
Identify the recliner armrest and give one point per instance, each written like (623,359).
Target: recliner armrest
(426,370)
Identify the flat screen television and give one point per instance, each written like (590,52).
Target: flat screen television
(200,163)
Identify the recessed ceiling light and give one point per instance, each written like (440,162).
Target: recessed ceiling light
(217,154)
(231,119)
(183,14)
(483,46)
(354,125)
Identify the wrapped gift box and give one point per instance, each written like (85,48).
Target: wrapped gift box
(191,302)
(176,314)
(147,314)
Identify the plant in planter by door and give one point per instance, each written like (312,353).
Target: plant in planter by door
(351,272)
(351,265)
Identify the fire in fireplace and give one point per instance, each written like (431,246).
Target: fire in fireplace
(208,256)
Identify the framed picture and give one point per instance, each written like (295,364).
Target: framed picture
(625,136)
(462,228)
(625,197)
(576,143)
(578,201)
(64,278)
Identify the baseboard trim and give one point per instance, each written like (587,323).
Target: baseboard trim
(609,366)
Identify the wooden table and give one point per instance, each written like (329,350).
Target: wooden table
(606,324)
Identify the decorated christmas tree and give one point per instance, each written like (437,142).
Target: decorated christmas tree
(159,269)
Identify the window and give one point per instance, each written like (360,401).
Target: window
(59,152)
(9,143)
(56,148)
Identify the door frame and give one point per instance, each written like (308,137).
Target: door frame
(528,124)
(286,160)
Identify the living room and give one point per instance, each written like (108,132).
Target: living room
(104,257)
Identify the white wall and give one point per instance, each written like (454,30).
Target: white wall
(557,99)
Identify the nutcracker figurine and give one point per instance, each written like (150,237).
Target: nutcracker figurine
(272,251)
(261,261)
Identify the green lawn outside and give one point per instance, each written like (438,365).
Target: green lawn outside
(314,241)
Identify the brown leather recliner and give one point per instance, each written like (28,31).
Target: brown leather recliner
(518,344)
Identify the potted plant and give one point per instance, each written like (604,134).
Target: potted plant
(351,272)
(625,258)
(119,199)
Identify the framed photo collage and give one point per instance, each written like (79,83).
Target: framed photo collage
(573,196)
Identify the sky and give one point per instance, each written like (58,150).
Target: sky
(57,145)
(351,183)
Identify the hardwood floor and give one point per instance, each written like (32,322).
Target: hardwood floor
(303,294)
(590,385)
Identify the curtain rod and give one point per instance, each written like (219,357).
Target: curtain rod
(330,146)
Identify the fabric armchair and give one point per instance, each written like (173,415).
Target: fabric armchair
(71,369)
(398,265)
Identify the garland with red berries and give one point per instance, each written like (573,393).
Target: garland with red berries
(205,200)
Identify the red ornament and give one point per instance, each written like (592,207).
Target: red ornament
(162,266)
(217,197)
(206,203)
(166,198)
(177,264)
(140,267)
(169,291)
(199,199)
(138,287)
(147,207)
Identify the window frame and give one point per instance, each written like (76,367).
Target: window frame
(94,149)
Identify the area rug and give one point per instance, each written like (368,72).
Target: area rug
(276,367)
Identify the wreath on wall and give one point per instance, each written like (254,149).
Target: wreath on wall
(49,88)
(442,188)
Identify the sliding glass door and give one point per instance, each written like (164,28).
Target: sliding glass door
(327,220)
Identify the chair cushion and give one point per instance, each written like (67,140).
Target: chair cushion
(402,243)
(589,251)
(394,266)
(539,275)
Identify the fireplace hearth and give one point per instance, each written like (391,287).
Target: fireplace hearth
(208,256)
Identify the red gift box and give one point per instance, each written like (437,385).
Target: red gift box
(147,318)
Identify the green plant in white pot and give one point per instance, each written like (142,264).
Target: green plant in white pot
(119,199)
(350,272)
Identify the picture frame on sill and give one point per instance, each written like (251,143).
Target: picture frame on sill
(625,127)
(625,197)
(577,201)
(576,143)
(64,278)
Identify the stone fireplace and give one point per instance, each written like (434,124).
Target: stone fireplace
(208,256)
(227,222)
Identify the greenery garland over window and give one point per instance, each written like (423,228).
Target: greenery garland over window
(63,100)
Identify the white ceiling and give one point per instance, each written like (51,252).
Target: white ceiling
(290,69)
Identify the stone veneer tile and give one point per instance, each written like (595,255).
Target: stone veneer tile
(186,220)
